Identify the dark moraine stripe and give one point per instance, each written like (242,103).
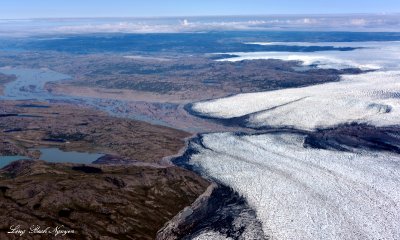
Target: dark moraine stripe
(223,210)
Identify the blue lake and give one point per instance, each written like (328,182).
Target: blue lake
(56,155)
(5,160)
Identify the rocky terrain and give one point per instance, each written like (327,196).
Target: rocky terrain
(28,124)
(129,193)
(97,202)
(155,87)
(300,134)
(176,78)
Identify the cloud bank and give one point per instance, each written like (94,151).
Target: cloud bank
(382,22)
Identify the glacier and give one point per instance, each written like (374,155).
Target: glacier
(372,97)
(305,192)
(368,55)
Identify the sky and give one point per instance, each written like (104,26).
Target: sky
(22,9)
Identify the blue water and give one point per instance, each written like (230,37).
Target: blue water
(57,156)
(210,42)
(30,83)
(5,160)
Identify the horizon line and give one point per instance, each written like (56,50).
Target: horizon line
(213,15)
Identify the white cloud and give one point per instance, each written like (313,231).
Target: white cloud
(185,22)
(309,21)
(358,22)
(169,25)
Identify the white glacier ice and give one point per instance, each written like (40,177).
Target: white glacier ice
(211,235)
(369,56)
(372,98)
(367,44)
(302,193)
(307,193)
